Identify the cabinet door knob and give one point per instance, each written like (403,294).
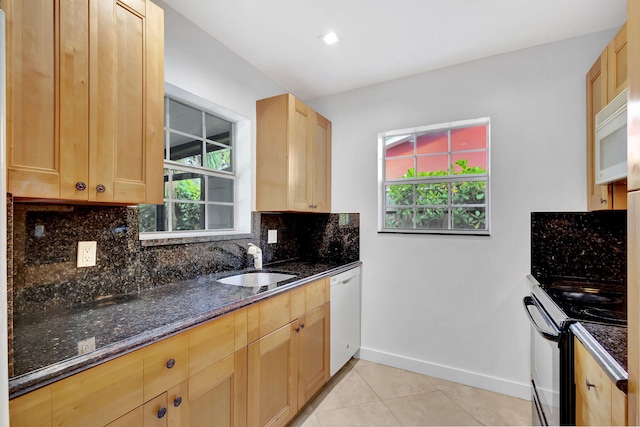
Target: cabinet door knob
(603,201)
(162,412)
(177,401)
(298,329)
(81,186)
(171,362)
(100,188)
(301,325)
(589,385)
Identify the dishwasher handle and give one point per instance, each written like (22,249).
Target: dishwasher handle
(549,334)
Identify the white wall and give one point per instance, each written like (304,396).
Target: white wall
(450,306)
(198,63)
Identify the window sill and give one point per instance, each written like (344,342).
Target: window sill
(148,240)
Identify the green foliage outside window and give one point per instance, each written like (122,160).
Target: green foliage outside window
(428,204)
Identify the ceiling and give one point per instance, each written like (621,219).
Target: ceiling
(386,39)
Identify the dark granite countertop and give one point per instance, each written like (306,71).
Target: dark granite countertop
(612,338)
(46,343)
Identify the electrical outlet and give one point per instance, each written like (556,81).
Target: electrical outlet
(272,236)
(86,254)
(85,346)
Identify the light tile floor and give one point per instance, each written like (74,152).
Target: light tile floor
(368,394)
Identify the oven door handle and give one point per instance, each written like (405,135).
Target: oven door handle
(551,335)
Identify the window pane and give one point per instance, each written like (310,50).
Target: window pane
(399,195)
(188,216)
(469,218)
(436,193)
(185,149)
(433,142)
(470,163)
(437,218)
(220,217)
(219,158)
(433,165)
(219,189)
(399,168)
(472,138)
(399,218)
(147,215)
(218,130)
(396,146)
(185,119)
(467,193)
(187,185)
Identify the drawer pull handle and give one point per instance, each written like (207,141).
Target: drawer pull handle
(170,363)
(162,412)
(603,201)
(81,186)
(177,401)
(589,385)
(100,188)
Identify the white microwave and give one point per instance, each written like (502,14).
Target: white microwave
(611,141)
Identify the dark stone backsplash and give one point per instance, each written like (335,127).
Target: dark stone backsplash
(589,246)
(46,236)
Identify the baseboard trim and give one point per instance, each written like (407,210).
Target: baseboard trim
(485,382)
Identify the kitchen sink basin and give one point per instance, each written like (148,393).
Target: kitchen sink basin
(256,280)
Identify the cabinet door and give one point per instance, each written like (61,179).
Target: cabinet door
(313,353)
(155,412)
(166,364)
(322,165)
(217,395)
(32,409)
(132,419)
(126,137)
(598,196)
(47,61)
(272,373)
(301,130)
(617,64)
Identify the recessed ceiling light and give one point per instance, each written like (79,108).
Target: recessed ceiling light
(330,38)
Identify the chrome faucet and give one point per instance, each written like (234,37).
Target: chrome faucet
(257,256)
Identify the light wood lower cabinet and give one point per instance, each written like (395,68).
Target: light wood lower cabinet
(598,400)
(256,366)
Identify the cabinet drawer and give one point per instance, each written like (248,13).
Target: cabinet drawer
(211,343)
(268,315)
(316,294)
(32,409)
(165,365)
(593,403)
(99,395)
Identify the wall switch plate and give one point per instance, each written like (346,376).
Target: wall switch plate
(86,254)
(85,346)
(272,236)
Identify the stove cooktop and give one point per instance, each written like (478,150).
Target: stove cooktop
(589,301)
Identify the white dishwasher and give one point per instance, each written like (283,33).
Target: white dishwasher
(345,318)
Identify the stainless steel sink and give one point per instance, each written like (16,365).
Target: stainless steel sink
(256,280)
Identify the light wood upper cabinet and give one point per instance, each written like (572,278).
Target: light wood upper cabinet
(293,165)
(605,80)
(617,64)
(85,88)
(598,196)
(596,394)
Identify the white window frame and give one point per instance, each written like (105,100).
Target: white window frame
(241,174)
(383,183)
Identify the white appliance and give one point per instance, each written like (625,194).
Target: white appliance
(611,141)
(345,318)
